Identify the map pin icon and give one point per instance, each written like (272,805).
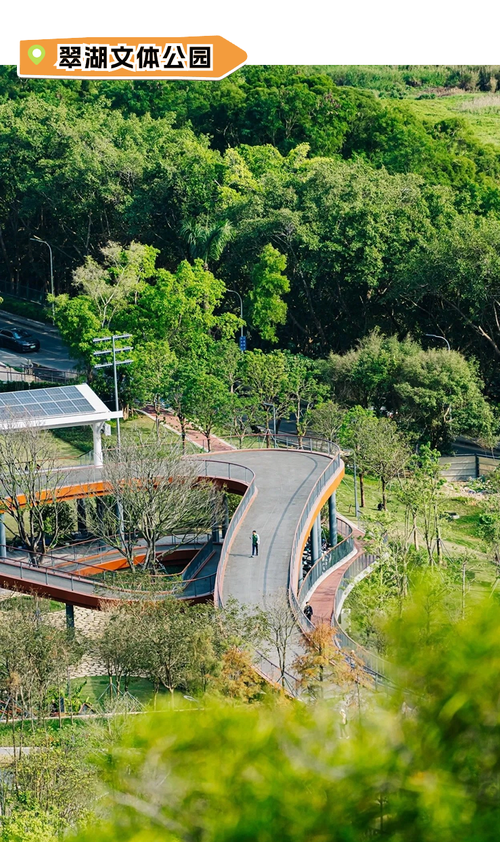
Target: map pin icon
(36,53)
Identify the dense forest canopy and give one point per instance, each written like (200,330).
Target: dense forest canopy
(385,218)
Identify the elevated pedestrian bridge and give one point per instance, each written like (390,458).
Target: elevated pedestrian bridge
(282,494)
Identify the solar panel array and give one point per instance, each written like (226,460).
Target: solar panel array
(40,404)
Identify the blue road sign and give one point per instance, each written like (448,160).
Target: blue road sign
(243,343)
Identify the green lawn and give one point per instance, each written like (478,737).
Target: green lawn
(481,111)
(457,534)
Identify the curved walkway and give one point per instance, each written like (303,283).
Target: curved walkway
(284,480)
(287,482)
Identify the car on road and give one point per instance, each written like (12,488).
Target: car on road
(18,339)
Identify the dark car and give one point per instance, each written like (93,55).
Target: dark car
(18,339)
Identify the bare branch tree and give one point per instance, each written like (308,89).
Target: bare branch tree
(280,627)
(31,480)
(153,492)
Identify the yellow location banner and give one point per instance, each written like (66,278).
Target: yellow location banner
(197,57)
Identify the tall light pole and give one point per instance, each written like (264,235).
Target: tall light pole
(354,466)
(38,240)
(242,335)
(114,350)
(435,336)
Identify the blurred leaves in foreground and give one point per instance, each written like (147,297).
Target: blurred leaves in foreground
(421,762)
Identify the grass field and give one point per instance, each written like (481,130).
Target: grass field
(480,111)
(461,534)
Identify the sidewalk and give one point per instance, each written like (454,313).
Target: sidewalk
(193,435)
(323,598)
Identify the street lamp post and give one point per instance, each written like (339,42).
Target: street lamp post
(354,467)
(114,350)
(38,240)
(436,336)
(242,335)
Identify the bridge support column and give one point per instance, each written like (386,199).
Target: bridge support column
(99,508)
(225,523)
(70,616)
(215,520)
(97,430)
(332,518)
(81,515)
(3,538)
(316,539)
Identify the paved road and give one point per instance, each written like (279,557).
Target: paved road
(53,353)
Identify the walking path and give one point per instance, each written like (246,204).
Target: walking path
(323,598)
(193,435)
(284,480)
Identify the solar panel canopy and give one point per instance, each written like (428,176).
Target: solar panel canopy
(53,407)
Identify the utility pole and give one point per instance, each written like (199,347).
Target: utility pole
(114,351)
(243,339)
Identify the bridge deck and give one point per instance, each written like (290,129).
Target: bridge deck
(284,479)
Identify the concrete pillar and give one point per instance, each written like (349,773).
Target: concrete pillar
(3,538)
(70,616)
(332,519)
(316,540)
(81,516)
(225,524)
(215,520)
(97,429)
(99,505)
(318,532)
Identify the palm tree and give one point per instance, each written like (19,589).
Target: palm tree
(206,240)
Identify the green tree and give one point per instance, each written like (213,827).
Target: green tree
(206,241)
(209,403)
(295,776)
(268,286)
(265,378)
(154,364)
(304,389)
(422,493)
(119,280)
(356,433)
(326,420)
(387,453)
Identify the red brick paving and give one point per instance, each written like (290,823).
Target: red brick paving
(323,598)
(193,435)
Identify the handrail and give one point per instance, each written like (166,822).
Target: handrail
(330,470)
(333,556)
(90,586)
(241,510)
(353,573)
(288,440)
(60,562)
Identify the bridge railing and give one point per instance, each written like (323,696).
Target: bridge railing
(296,552)
(235,520)
(328,560)
(92,553)
(198,561)
(281,440)
(101,586)
(359,565)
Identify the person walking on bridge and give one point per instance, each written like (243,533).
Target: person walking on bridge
(255,543)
